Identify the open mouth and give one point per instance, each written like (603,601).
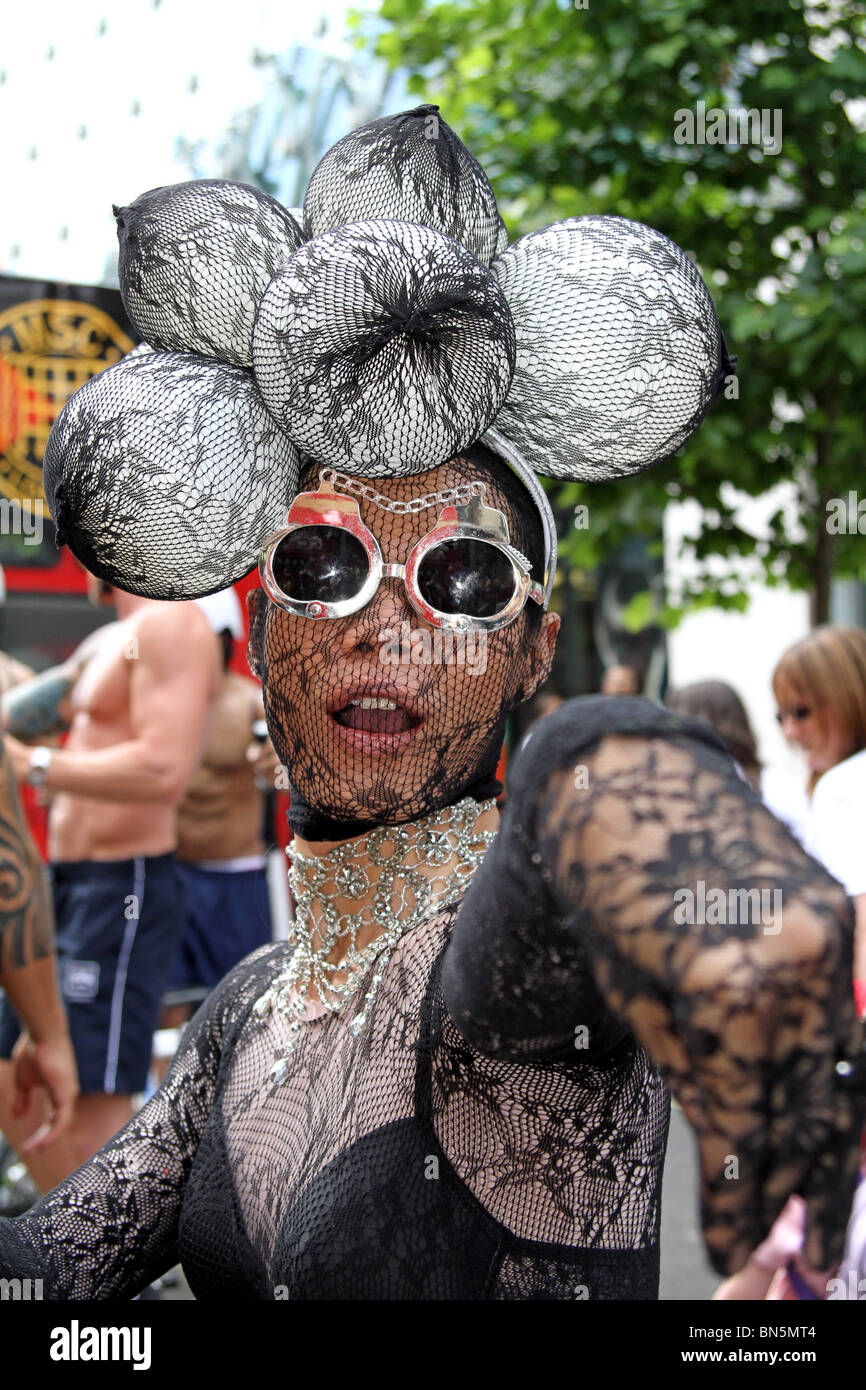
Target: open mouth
(376,714)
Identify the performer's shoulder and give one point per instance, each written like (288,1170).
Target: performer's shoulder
(262,964)
(234,997)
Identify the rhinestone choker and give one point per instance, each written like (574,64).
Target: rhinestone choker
(395,890)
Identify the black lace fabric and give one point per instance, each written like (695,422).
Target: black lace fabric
(619,351)
(412,168)
(393,329)
(165,472)
(747,1005)
(401,1164)
(470,1142)
(194,261)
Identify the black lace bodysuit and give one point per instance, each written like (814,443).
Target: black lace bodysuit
(517,1157)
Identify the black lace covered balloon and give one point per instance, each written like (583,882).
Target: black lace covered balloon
(619,351)
(196,258)
(412,168)
(383,347)
(164,472)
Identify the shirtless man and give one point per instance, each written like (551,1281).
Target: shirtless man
(135,697)
(220,845)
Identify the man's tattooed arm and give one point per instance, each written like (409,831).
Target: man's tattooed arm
(43,1057)
(38,707)
(26,918)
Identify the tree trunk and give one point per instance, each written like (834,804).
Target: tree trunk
(823,569)
(822,574)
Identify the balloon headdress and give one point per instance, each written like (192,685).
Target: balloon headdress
(381,330)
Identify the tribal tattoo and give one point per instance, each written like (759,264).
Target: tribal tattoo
(26,919)
(32,709)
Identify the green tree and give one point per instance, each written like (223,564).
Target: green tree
(573,108)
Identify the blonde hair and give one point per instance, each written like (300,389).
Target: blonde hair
(827,670)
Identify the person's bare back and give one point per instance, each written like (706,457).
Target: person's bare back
(220,817)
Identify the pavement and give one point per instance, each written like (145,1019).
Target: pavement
(685,1269)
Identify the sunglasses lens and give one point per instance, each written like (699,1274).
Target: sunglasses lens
(320,563)
(466,576)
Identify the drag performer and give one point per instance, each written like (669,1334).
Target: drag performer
(450,1085)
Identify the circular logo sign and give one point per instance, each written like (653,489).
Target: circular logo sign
(48,348)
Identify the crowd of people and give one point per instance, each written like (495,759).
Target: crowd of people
(155,844)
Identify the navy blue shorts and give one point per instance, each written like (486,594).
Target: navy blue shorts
(227,916)
(118,925)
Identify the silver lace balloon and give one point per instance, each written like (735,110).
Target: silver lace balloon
(163,472)
(196,258)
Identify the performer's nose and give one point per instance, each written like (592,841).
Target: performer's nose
(371,627)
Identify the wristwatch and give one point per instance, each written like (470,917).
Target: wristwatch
(40,761)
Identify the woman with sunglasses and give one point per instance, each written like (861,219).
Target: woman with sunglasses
(820,689)
(450,1084)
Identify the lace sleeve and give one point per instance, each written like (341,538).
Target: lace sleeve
(636,867)
(110,1228)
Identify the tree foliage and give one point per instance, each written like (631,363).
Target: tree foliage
(573,109)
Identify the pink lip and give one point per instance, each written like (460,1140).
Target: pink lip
(361,739)
(365,742)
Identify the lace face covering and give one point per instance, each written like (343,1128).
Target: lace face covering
(379,717)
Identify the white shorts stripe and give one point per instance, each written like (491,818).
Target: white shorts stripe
(116,1020)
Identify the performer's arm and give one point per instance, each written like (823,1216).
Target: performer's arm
(622,872)
(111,1228)
(39,708)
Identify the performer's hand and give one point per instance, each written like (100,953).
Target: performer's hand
(50,1064)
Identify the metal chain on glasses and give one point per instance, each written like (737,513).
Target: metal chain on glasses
(461,494)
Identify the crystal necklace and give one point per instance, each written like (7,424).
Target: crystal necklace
(393,892)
